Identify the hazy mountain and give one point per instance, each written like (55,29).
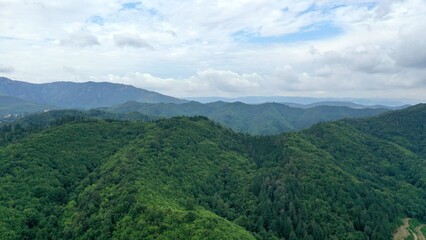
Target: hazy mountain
(368,102)
(80,95)
(13,105)
(341,104)
(263,119)
(189,178)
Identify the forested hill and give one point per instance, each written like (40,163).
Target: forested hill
(12,105)
(189,178)
(405,127)
(256,119)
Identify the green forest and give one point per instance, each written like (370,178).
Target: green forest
(255,119)
(75,175)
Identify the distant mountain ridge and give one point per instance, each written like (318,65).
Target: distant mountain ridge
(341,104)
(366,102)
(258,119)
(80,95)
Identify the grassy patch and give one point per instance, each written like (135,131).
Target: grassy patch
(423,229)
(414,223)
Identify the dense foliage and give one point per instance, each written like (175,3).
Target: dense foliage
(257,119)
(190,178)
(23,126)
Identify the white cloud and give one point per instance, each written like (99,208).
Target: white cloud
(206,82)
(411,48)
(130,40)
(80,40)
(6,69)
(195,46)
(367,59)
(228,81)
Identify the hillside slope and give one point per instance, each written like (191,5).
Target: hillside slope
(262,119)
(12,105)
(189,178)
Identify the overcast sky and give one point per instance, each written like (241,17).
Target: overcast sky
(346,48)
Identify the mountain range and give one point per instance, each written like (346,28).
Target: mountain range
(257,119)
(104,94)
(261,119)
(80,95)
(342,104)
(365,102)
(78,177)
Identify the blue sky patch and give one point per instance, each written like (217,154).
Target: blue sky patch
(97,20)
(311,32)
(138,6)
(371,5)
(130,5)
(311,8)
(330,9)
(152,12)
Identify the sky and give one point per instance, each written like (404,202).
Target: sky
(227,48)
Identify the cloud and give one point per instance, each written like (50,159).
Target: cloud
(80,40)
(363,58)
(222,47)
(6,69)
(228,81)
(411,48)
(209,81)
(286,80)
(130,40)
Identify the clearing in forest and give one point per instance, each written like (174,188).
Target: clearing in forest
(406,230)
